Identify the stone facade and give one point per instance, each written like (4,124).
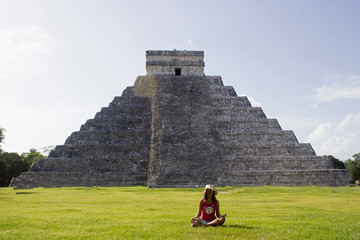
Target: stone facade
(188,63)
(181,129)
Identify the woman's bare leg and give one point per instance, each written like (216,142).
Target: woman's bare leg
(216,222)
(194,223)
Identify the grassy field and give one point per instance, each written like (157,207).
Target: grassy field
(141,213)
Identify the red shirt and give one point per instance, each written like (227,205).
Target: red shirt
(208,211)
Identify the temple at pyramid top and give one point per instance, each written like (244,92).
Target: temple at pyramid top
(176,63)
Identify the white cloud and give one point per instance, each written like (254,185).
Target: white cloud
(23,52)
(300,125)
(344,123)
(338,139)
(190,42)
(294,122)
(338,87)
(314,105)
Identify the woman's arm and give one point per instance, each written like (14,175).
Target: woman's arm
(218,210)
(200,208)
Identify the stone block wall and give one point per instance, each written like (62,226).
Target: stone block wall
(191,63)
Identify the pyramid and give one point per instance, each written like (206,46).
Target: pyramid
(177,127)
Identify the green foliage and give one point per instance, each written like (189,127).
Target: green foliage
(2,136)
(354,166)
(356,157)
(32,156)
(337,163)
(142,213)
(13,164)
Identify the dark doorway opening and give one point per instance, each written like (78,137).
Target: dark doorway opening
(177,71)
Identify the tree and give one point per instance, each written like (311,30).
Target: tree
(337,163)
(32,156)
(356,156)
(13,164)
(2,136)
(354,166)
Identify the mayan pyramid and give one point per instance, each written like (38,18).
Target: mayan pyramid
(177,127)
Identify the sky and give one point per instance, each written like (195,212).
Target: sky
(61,61)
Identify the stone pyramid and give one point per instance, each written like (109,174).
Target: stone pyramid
(177,127)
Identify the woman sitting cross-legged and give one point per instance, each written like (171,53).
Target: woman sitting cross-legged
(208,206)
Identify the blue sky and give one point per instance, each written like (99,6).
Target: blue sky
(61,61)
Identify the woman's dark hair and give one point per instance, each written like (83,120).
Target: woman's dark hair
(213,198)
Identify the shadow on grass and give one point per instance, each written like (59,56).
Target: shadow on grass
(25,192)
(238,226)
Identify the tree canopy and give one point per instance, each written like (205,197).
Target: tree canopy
(337,163)
(354,166)
(2,136)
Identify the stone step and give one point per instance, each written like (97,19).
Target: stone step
(222,91)
(251,124)
(242,163)
(291,149)
(317,177)
(261,136)
(254,131)
(230,113)
(92,151)
(215,80)
(120,123)
(76,179)
(129,101)
(101,165)
(128,92)
(186,180)
(110,112)
(231,102)
(115,136)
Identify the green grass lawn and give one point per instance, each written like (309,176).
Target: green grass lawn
(140,213)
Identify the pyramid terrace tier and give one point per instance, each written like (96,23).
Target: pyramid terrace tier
(230,125)
(119,123)
(185,180)
(76,179)
(261,136)
(130,166)
(215,80)
(95,151)
(110,112)
(230,102)
(310,177)
(238,113)
(253,149)
(111,136)
(129,99)
(246,163)
(222,91)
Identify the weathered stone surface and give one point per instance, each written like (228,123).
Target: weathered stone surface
(186,130)
(184,137)
(190,63)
